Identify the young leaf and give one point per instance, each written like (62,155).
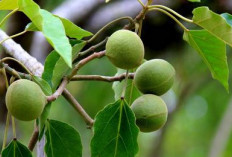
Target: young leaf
(49,65)
(213,23)
(53,30)
(32,10)
(16,149)
(212,51)
(62,140)
(131,92)
(8,4)
(227,17)
(51,27)
(115,132)
(73,31)
(61,69)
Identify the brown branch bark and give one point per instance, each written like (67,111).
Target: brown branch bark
(101,78)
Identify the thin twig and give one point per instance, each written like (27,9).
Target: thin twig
(90,50)
(15,73)
(101,78)
(89,121)
(85,61)
(59,91)
(34,138)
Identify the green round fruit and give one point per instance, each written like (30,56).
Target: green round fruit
(154,77)
(25,100)
(125,49)
(150,111)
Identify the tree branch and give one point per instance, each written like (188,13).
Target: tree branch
(34,139)
(59,91)
(21,55)
(78,108)
(85,61)
(101,78)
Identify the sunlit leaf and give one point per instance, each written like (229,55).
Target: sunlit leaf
(8,4)
(16,149)
(213,23)
(212,51)
(115,132)
(51,27)
(62,140)
(73,30)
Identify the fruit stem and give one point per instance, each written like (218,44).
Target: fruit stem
(108,25)
(171,16)
(172,11)
(8,15)
(12,59)
(13,126)
(13,36)
(6,131)
(125,85)
(141,3)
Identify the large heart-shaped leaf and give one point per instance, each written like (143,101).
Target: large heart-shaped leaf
(16,149)
(62,140)
(115,132)
(8,4)
(212,51)
(51,27)
(213,23)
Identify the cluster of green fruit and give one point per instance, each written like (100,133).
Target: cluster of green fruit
(153,78)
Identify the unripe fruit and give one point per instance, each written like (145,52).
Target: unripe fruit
(150,112)
(25,100)
(154,77)
(125,49)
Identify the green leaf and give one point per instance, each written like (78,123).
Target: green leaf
(227,17)
(62,140)
(43,85)
(115,132)
(53,30)
(49,65)
(213,23)
(32,10)
(107,1)
(8,4)
(131,92)
(51,27)
(16,149)
(61,69)
(31,27)
(73,31)
(212,51)
(194,0)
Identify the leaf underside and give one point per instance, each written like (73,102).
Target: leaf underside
(213,52)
